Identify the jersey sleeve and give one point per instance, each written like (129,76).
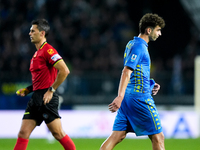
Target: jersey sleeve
(133,57)
(52,56)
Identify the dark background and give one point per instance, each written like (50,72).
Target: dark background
(91,36)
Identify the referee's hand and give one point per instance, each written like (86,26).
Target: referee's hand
(22,92)
(47,97)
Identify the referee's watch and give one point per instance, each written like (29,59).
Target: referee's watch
(52,89)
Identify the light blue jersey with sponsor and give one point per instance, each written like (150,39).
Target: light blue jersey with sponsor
(136,56)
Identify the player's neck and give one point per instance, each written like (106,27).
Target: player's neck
(144,37)
(39,44)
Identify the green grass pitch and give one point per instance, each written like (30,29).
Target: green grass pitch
(94,144)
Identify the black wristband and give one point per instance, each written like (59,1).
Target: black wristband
(30,88)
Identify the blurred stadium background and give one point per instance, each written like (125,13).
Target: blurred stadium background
(91,36)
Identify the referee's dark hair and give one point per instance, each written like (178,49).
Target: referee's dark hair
(42,25)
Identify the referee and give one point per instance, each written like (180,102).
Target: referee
(48,71)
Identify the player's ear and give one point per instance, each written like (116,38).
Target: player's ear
(148,30)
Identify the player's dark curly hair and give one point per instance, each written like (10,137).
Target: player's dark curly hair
(150,20)
(42,25)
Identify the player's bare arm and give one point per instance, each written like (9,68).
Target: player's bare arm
(125,77)
(156,88)
(63,72)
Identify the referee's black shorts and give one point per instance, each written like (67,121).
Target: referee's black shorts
(37,111)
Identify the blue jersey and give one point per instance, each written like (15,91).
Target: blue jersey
(138,112)
(136,56)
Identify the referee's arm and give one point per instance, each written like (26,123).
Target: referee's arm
(63,72)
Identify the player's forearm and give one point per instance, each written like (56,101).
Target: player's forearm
(125,77)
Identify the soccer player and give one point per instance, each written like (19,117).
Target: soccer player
(136,109)
(48,71)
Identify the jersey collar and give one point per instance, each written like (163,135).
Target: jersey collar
(140,40)
(43,45)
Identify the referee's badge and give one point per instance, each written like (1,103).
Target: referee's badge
(56,57)
(133,57)
(50,51)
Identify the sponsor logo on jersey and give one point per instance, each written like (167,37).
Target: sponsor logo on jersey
(50,51)
(133,57)
(56,57)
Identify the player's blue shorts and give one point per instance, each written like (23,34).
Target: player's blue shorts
(138,114)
